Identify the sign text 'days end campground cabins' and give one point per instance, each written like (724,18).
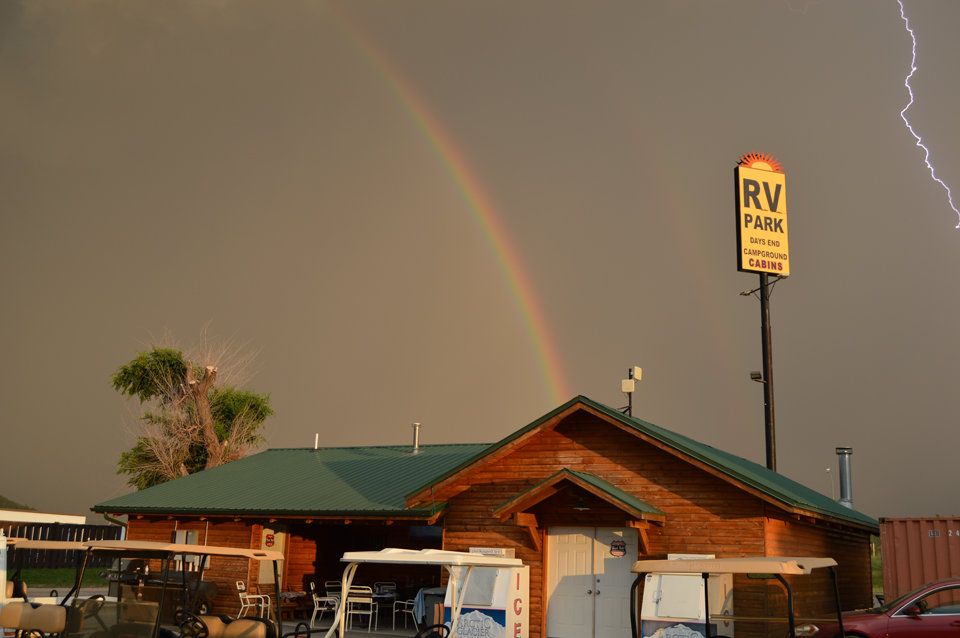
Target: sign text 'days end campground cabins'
(761,187)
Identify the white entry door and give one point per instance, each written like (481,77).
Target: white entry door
(588,581)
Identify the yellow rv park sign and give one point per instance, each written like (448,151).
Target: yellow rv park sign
(761,188)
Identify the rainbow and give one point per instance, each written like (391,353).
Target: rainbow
(478,202)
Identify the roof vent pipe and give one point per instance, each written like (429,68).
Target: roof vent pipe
(416,438)
(846,478)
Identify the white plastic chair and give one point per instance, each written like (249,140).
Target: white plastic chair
(332,587)
(405,607)
(251,601)
(321,605)
(360,602)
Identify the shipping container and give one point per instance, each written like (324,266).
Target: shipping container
(917,551)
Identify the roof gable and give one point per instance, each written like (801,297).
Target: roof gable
(767,484)
(593,484)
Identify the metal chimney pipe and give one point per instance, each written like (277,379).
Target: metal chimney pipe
(846,476)
(416,438)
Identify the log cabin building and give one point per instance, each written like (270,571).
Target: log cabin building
(578,495)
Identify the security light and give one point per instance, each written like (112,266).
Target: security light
(581,505)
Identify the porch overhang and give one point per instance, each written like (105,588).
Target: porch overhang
(635,508)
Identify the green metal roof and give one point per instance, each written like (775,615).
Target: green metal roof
(376,480)
(774,485)
(302,481)
(614,493)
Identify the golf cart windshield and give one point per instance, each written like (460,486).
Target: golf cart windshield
(98,617)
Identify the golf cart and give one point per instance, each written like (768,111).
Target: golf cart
(483,591)
(147,608)
(174,594)
(683,586)
(13,552)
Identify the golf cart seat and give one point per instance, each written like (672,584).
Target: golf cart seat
(16,589)
(227,627)
(47,619)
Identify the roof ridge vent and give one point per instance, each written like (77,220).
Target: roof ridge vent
(416,437)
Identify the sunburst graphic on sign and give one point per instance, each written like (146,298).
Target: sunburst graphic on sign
(761,161)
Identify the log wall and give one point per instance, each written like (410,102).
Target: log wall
(850,548)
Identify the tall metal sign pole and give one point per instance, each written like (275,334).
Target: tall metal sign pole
(769,415)
(762,247)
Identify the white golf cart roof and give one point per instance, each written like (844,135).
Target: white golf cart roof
(754,565)
(175,548)
(429,557)
(27,543)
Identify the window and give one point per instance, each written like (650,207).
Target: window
(941,602)
(187,537)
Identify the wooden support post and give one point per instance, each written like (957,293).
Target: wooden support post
(529,521)
(644,540)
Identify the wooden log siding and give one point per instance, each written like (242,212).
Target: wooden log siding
(704,513)
(851,548)
(300,565)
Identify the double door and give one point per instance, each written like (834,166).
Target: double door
(588,581)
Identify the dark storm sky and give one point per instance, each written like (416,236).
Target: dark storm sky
(246,166)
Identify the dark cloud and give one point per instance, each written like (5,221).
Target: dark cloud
(249,165)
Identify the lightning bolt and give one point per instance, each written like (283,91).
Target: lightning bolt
(903,113)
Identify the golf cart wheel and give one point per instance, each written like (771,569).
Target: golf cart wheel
(434,631)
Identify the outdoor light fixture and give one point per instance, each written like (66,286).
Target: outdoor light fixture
(581,505)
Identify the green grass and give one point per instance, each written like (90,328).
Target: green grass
(39,579)
(876,565)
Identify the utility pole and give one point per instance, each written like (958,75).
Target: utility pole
(769,415)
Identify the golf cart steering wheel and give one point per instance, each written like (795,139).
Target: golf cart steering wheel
(90,608)
(191,625)
(434,631)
